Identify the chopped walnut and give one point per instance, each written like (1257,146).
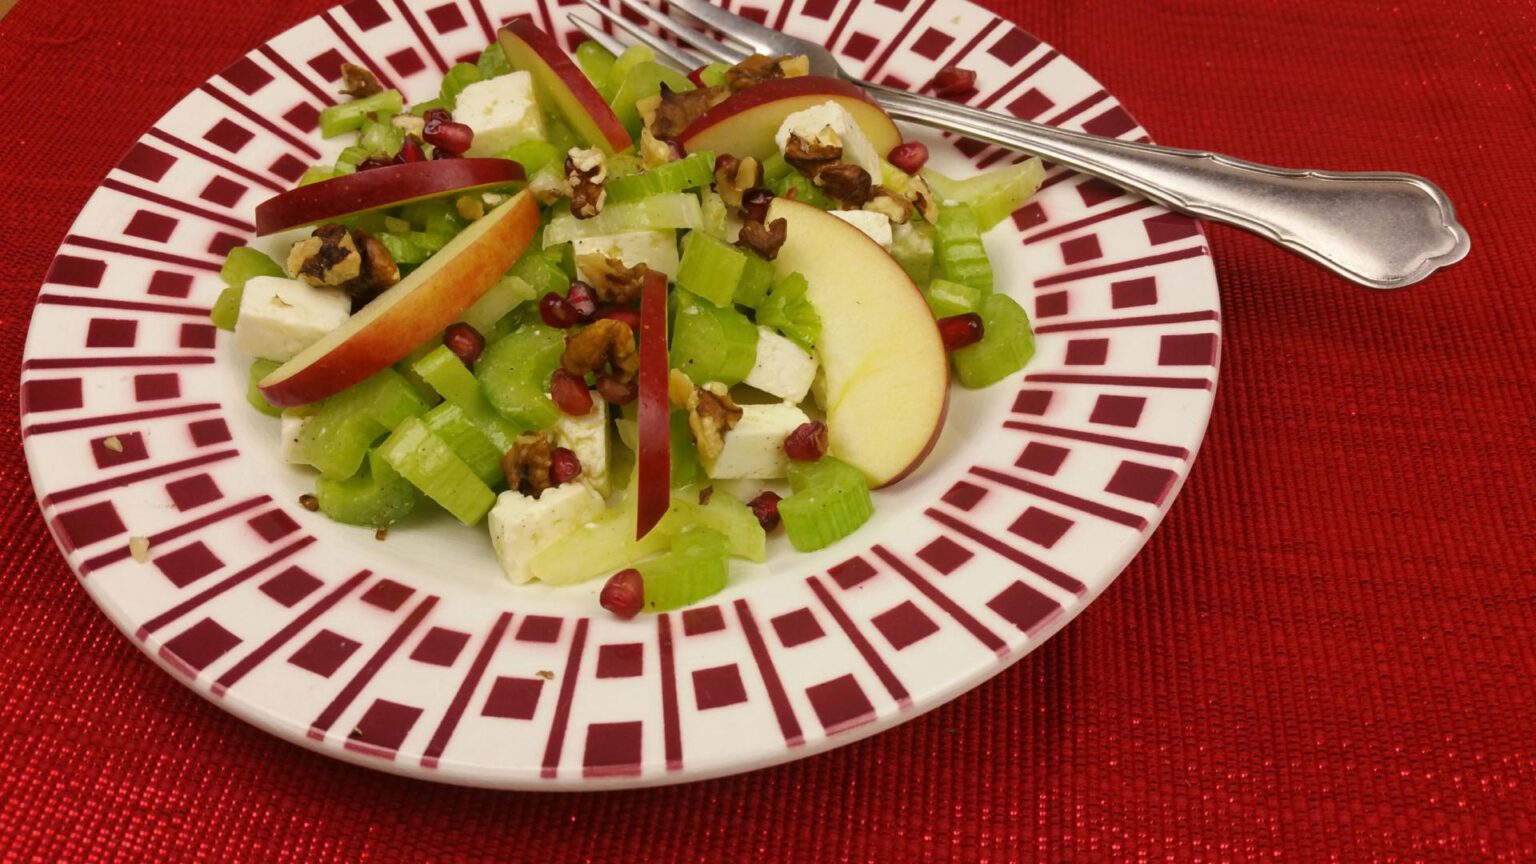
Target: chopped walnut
(138,548)
(410,124)
(711,414)
(585,171)
(734,176)
(759,68)
(113,443)
(604,341)
(679,388)
(765,240)
(613,282)
(810,156)
(350,260)
(654,151)
(469,207)
(848,185)
(358,81)
(889,204)
(677,111)
(526,465)
(921,196)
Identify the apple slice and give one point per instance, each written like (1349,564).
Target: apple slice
(557,75)
(744,125)
(887,376)
(410,312)
(653,461)
(377,188)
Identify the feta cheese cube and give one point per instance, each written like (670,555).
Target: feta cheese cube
(280,317)
(754,448)
(501,110)
(808,124)
(657,250)
(783,369)
(293,422)
(876,226)
(521,526)
(587,437)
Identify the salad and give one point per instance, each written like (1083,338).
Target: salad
(631,321)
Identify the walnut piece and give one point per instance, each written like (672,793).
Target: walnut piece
(679,388)
(526,465)
(358,81)
(711,414)
(604,341)
(921,196)
(759,68)
(848,185)
(810,156)
(734,176)
(353,261)
(613,282)
(677,111)
(764,240)
(889,204)
(585,171)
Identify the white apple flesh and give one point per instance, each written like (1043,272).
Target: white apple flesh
(556,75)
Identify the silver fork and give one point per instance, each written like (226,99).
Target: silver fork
(1379,229)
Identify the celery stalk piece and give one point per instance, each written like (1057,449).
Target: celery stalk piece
(507,294)
(434,216)
(712,213)
(226,308)
(380,137)
(240,265)
(349,116)
(713,74)
(598,548)
(560,136)
(799,187)
(787,310)
(643,81)
(1005,347)
(775,168)
(633,56)
(351,155)
(691,172)
(376,498)
(449,422)
(493,61)
(259,370)
(685,454)
(656,213)
(992,195)
(912,247)
(756,280)
(596,62)
(458,76)
(428,463)
(697,567)
(421,108)
(711,268)
(402,249)
(532,154)
(711,343)
(336,439)
(541,274)
(745,537)
(514,373)
(960,255)
(317,173)
(830,501)
(948,298)
(446,374)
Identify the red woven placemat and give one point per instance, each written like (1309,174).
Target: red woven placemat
(1328,651)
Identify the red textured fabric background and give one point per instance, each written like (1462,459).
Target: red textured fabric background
(1327,652)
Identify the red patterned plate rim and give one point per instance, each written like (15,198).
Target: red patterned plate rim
(412,656)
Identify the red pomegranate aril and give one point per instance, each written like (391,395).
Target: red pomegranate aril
(808,442)
(629,315)
(958,331)
(564,466)
(556,312)
(584,300)
(754,203)
(766,508)
(570,393)
(373,162)
(450,136)
(909,156)
(614,391)
(464,341)
(437,115)
(410,151)
(952,81)
(440,153)
(624,593)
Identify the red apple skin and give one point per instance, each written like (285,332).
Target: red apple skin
(376,188)
(416,315)
(653,462)
(782,97)
(613,136)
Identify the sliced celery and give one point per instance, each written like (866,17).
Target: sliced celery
(597,548)
(401,248)
(697,567)
(711,343)
(351,155)
(656,213)
(690,172)
(948,298)
(960,255)
(449,422)
(377,497)
(541,274)
(744,535)
(775,168)
(912,247)
(380,137)
(830,501)
(259,370)
(226,308)
(633,56)
(712,213)
(756,280)
(348,116)
(434,216)
(595,62)
(338,436)
(711,268)
(799,187)
(428,463)
(1005,347)
(317,173)
(493,61)
(532,154)
(713,75)
(421,108)
(685,454)
(561,136)
(992,195)
(788,310)
(514,373)
(507,294)
(446,374)
(240,265)
(643,81)
(458,76)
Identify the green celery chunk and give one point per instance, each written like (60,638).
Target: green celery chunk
(685,454)
(240,266)
(421,108)
(376,498)
(596,62)
(799,187)
(711,343)
(338,436)
(992,195)
(756,281)
(960,254)
(226,308)
(912,247)
(633,56)
(259,370)
(514,373)
(643,81)
(788,310)
(401,248)
(948,298)
(541,274)
(775,168)
(710,268)
(493,61)
(713,75)
(449,422)
(507,294)
(349,116)
(597,548)
(318,173)
(458,76)
(434,216)
(1005,347)
(656,213)
(830,501)
(431,466)
(532,154)
(446,373)
(690,172)
(712,213)
(744,535)
(380,137)
(697,567)
(561,136)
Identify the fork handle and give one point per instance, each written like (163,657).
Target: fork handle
(1379,229)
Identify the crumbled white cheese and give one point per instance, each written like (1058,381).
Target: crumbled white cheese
(657,250)
(502,111)
(521,526)
(876,226)
(782,369)
(280,317)
(587,437)
(754,448)
(809,125)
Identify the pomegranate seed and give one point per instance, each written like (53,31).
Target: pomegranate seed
(410,151)
(439,115)
(570,393)
(564,466)
(958,331)
(755,201)
(627,314)
(556,312)
(374,162)
(614,391)
(909,156)
(953,82)
(624,593)
(808,442)
(448,135)
(584,300)
(464,341)
(440,153)
(766,508)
